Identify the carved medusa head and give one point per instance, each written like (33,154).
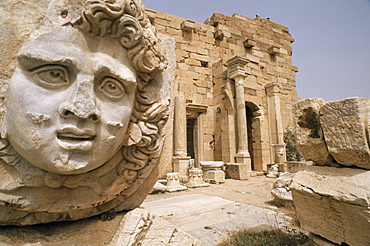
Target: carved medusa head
(80,122)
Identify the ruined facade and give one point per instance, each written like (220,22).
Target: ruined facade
(234,87)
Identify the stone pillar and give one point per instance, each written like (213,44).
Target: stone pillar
(237,72)
(278,154)
(180,159)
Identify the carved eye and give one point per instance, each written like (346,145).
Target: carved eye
(112,88)
(52,76)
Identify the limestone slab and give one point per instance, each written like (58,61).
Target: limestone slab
(334,203)
(309,137)
(210,219)
(346,126)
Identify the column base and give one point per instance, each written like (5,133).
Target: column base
(181,165)
(244,158)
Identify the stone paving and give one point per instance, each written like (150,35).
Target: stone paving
(211,218)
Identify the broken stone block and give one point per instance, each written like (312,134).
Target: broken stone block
(212,172)
(196,179)
(309,137)
(334,203)
(238,171)
(173,182)
(345,124)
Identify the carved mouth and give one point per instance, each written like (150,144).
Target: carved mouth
(76,139)
(73,137)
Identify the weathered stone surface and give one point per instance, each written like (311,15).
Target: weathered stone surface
(346,127)
(238,171)
(174,182)
(196,178)
(212,172)
(210,219)
(83,113)
(135,227)
(334,203)
(281,187)
(309,137)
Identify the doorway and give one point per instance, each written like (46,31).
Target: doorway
(190,145)
(254,135)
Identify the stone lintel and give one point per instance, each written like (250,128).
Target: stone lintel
(193,110)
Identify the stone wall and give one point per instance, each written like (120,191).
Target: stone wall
(202,52)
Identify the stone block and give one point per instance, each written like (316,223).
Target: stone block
(249,43)
(273,50)
(346,127)
(309,137)
(212,172)
(334,203)
(181,164)
(196,179)
(174,182)
(187,26)
(238,171)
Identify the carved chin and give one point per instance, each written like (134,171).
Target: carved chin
(65,197)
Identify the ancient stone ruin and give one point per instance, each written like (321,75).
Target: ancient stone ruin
(99,99)
(332,197)
(81,130)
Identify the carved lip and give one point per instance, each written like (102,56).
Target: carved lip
(72,138)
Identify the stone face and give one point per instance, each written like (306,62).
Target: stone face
(309,137)
(84,113)
(334,203)
(346,126)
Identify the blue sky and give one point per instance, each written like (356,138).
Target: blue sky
(332,47)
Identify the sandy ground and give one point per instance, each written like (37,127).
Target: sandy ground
(254,191)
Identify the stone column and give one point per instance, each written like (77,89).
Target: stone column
(278,154)
(237,72)
(180,159)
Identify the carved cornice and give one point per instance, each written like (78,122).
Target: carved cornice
(272,89)
(236,67)
(193,110)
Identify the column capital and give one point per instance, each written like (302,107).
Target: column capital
(236,67)
(272,89)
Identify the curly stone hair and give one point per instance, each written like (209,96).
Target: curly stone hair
(127,22)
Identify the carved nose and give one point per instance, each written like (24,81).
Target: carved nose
(82,106)
(67,110)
